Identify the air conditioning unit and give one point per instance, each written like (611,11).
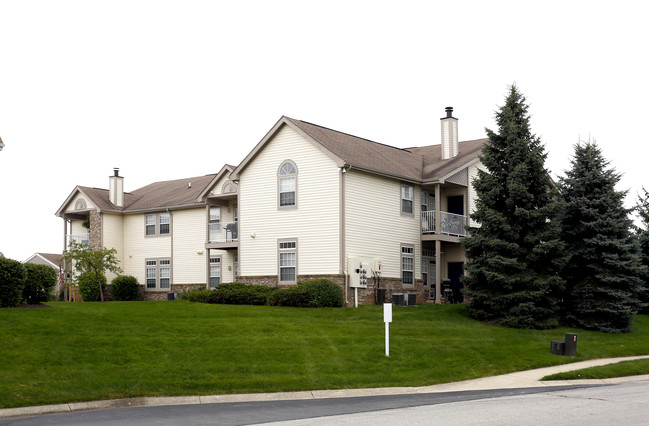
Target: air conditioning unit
(412,299)
(398,299)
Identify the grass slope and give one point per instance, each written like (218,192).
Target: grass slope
(619,369)
(93,351)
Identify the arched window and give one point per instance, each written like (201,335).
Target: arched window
(287,185)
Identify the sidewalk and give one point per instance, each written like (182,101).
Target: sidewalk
(521,379)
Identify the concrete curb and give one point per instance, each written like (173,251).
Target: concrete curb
(520,379)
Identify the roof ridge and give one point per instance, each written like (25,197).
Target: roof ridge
(353,136)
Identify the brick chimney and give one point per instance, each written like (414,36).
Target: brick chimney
(449,135)
(116,188)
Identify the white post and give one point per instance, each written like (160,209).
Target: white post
(387,318)
(356,297)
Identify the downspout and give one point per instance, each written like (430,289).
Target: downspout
(342,231)
(171,231)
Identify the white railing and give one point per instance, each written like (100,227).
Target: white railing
(428,222)
(79,239)
(450,223)
(224,232)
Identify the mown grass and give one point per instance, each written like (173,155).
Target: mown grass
(91,351)
(619,369)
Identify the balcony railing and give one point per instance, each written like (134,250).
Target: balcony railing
(224,232)
(79,239)
(450,223)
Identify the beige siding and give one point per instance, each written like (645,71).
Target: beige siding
(70,207)
(315,221)
(451,253)
(137,248)
(112,237)
(375,226)
(473,174)
(77,228)
(189,253)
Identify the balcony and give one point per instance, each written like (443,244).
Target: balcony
(450,224)
(223,235)
(79,239)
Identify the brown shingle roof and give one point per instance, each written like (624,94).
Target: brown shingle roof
(421,164)
(363,153)
(165,194)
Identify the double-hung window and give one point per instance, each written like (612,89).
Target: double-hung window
(407,198)
(165,222)
(407,264)
(287,184)
(156,224)
(215,224)
(287,261)
(215,272)
(149,223)
(158,274)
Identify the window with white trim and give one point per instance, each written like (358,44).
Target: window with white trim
(149,223)
(165,222)
(156,224)
(407,198)
(215,272)
(215,223)
(287,250)
(287,184)
(407,264)
(158,274)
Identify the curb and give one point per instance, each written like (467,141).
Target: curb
(521,379)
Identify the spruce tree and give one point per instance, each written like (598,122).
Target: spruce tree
(642,208)
(515,255)
(602,276)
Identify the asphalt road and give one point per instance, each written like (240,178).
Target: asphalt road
(626,403)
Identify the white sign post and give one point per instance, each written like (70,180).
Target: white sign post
(387,318)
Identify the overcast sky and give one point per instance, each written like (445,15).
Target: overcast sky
(174,89)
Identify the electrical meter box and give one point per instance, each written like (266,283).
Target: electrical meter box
(359,271)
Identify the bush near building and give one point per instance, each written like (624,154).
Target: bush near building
(125,287)
(12,281)
(88,286)
(39,282)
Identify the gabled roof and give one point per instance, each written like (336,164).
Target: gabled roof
(53,260)
(159,195)
(225,170)
(421,164)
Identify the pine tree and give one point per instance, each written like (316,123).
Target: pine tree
(602,276)
(642,208)
(515,255)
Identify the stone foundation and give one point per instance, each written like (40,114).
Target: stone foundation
(162,295)
(366,296)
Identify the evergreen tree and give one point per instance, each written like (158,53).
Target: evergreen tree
(602,277)
(515,255)
(642,208)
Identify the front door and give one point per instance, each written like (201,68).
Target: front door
(455,272)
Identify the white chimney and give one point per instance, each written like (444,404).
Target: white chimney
(449,135)
(116,189)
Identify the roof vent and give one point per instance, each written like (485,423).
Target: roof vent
(189,185)
(116,171)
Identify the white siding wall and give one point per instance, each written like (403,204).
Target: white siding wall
(375,226)
(70,206)
(473,174)
(77,228)
(189,267)
(315,222)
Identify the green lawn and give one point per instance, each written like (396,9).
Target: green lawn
(619,369)
(91,351)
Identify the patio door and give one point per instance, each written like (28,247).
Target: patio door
(428,271)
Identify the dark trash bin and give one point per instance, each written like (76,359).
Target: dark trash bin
(380,296)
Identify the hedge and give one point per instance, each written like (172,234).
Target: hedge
(39,282)
(12,281)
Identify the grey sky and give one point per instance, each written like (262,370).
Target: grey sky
(173,89)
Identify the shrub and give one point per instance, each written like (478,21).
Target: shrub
(323,293)
(39,282)
(200,296)
(125,287)
(88,286)
(12,281)
(293,296)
